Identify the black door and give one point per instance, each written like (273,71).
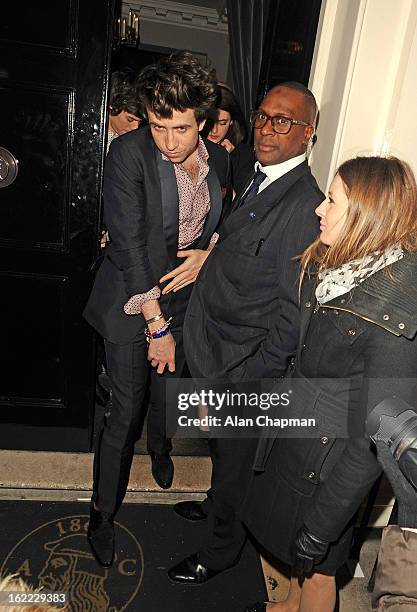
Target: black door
(54,59)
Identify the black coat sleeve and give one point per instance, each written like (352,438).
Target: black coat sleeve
(272,357)
(223,169)
(242,160)
(390,368)
(124,216)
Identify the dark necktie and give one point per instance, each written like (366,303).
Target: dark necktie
(254,188)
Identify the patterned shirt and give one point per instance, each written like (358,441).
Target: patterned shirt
(110,137)
(193,208)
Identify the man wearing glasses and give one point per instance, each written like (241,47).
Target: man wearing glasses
(243,317)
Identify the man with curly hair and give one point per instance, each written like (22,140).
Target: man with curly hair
(124,106)
(163,188)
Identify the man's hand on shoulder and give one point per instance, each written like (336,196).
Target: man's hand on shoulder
(187,272)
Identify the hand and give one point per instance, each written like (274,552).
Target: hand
(308,551)
(187,272)
(104,239)
(227,145)
(161,353)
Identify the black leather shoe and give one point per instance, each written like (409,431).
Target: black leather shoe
(256,607)
(190,571)
(162,470)
(100,535)
(190,510)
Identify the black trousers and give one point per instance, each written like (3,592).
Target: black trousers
(232,461)
(133,382)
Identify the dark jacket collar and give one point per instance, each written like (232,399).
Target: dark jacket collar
(387,300)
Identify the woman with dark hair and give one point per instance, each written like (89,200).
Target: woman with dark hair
(226,126)
(357,347)
(227,123)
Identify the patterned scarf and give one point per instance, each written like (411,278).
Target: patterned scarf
(337,281)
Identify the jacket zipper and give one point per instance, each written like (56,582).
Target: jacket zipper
(360,316)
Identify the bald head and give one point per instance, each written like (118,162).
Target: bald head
(309,101)
(290,101)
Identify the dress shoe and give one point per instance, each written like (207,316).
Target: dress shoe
(162,470)
(190,510)
(100,535)
(191,571)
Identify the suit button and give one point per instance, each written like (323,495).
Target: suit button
(312,475)
(307,304)
(386,317)
(324,440)
(342,301)
(336,312)
(401,325)
(351,332)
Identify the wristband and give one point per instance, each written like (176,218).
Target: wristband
(155,334)
(155,331)
(154,319)
(161,334)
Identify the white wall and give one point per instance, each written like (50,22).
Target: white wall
(216,46)
(364,77)
(404,127)
(181,26)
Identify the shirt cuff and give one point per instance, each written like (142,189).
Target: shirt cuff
(214,238)
(134,305)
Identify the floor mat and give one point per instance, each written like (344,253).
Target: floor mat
(45,542)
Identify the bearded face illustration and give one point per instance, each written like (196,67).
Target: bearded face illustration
(71,568)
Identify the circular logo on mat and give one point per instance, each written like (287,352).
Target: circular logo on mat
(57,557)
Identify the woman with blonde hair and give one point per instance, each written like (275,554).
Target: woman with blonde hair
(17,592)
(357,347)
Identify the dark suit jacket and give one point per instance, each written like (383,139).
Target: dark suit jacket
(141,213)
(242,160)
(243,316)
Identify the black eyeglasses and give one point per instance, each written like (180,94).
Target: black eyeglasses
(280,124)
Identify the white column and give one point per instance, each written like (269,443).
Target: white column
(364,75)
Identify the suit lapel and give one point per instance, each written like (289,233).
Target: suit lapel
(260,205)
(169,203)
(238,199)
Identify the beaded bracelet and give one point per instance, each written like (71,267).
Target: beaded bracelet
(155,334)
(155,331)
(161,334)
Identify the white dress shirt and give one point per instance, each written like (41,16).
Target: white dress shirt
(275,171)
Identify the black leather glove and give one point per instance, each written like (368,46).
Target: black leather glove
(308,551)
